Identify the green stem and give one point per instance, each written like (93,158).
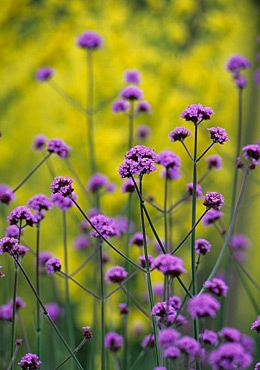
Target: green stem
(90,105)
(64,275)
(38,314)
(135,302)
(103,354)
(205,151)
(248,292)
(187,150)
(131,125)
(69,357)
(165,212)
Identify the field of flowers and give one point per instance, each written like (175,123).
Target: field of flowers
(129,195)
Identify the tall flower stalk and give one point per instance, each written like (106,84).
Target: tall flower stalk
(102,308)
(38,313)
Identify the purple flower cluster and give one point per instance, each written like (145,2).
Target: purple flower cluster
(209,337)
(131,93)
(132,76)
(39,203)
(148,341)
(218,135)
(52,265)
(202,246)
(142,261)
(138,240)
(197,113)
(229,356)
(230,334)
(139,160)
(217,286)
(63,202)
(39,142)
(20,214)
(54,310)
(179,133)
(167,337)
(99,182)
(143,107)
(62,185)
(116,274)
(113,341)
(235,65)
(256,325)
(30,361)
(44,74)
(89,40)
(214,161)
(252,153)
(203,305)
(190,347)
(171,162)
(213,200)
(6,194)
(212,216)
(143,132)
(199,192)
(239,244)
(104,226)
(82,242)
(128,186)
(59,147)
(169,265)
(120,105)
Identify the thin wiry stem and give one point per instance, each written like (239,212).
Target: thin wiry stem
(11,363)
(102,317)
(187,150)
(69,357)
(119,287)
(83,264)
(248,292)
(205,151)
(131,125)
(38,313)
(135,302)
(64,275)
(90,107)
(165,212)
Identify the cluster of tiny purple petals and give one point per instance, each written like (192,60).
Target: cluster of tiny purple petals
(44,73)
(128,186)
(167,337)
(54,310)
(168,159)
(169,265)
(90,40)
(6,312)
(62,185)
(6,194)
(161,309)
(104,226)
(179,133)
(131,93)
(209,337)
(236,63)
(143,132)
(30,361)
(120,105)
(98,182)
(44,256)
(113,341)
(229,356)
(172,352)
(199,192)
(52,265)
(212,216)
(143,107)
(12,231)
(63,202)
(252,153)
(218,135)
(116,274)
(197,113)
(214,161)
(189,346)
(20,214)
(81,242)
(139,160)
(217,286)
(230,334)
(123,308)
(59,147)
(138,239)
(132,76)
(203,305)
(86,330)
(202,246)
(39,203)
(39,142)
(148,341)
(142,261)
(256,325)
(8,245)
(213,200)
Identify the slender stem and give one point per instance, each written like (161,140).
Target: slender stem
(135,302)
(64,275)
(148,277)
(83,264)
(248,292)
(131,125)
(103,355)
(74,173)
(116,362)
(184,287)
(165,212)
(38,314)
(32,172)
(203,177)
(185,197)
(154,205)
(205,151)
(90,106)
(119,287)
(138,358)
(69,357)
(187,150)
(24,333)
(11,363)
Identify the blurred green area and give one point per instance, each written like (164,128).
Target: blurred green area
(180,48)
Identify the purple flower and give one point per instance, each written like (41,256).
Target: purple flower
(139,160)
(217,286)
(168,159)
(257,366)
(62,185)
(169,265)
(104,225)
(44,256)
(172,353)
(214,161)
(143,132)
(236,63)
(98,182)
(143,261)
(160,368)
(211,216)
(230,334)
(123,308)
(54,310)
(202,246)
(59,147)
(19,303)
(86,330)
(257,76)
(252,153)
(175,302)
(199,192)
(39,142)
(209,337)
(179,133)
(44,73)
(82,242)
(6,194)
(189,346)
(116,274)
(122,224)
(6,312)
(148,341)
(218,135)
(143,107)
(113,341)
(52,265)
(131,92)
(120,106)
(197,113)
(132,76)
(40,203)
(240,81)
(8,245)
(167,337)
(229,356)
(161,309)
(248,343)
(256,325)
(239,243)
(30,361)
(138,240)
(63,202)
(213,200)
(203,305)
(128,186)
(172,173)
(12,231)
(19,214)
(89,40)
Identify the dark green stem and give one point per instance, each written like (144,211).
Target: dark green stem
(69,357)
(38,313)
(103,354)
(90,106)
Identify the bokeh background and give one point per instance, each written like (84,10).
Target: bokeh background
(180,48)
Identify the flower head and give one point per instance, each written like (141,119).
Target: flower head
(172,352)
(179,133)
(142,261)
(139,160)
(199,192)
(167,337)
(40,203)
(143,132)
(203,305)
(131,93)
(213,200)
(120,105)
(6,194)
(128,186)
(168,159)
(86,330)
(148,341)
(236,63)
(63,202)
(169,265)
(82,242)
(214,161)
(197,113)
(20,214)
(229,356)
(252,153)
(59,147)
(230,334)
(189,346)
(209,337)
(116,274)
(99,182)
(240,81)
(202,246)
(123,308)
(52,265)
(212,216)
(143,107)
(30,361)
(218,135)
(6,312)
(162,310)
(54,310)
(132,76)
(89,40)
(39,142)
(44,256)
(138,240)
(104,226)
(113,341)
(8,245)
(256,325)
(12,231)
(217,286)
(62,185)
(44,74)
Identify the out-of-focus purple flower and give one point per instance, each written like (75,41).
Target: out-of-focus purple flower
(143,132)
(203,305)
(168,159)
(30,361)
(120,105)
(172,173)
(252,153)
(62,185)
(138,240)
(218,135)
(44,73)
(54,310)
(257,366)
(99,182)
(6,312)
(59,147)
(213,200)
(230,334)
(52,265)
(86,331)
(20,214)
(148,341)
(257,76)
(44,256)
(169,265)
(175,302)
(104,225)
(22,250)
(214,161)
(256,325)
(160,368)
(197,113)
(239,243)
(113,341)
(131,93)
(189,346)
(236,63)
(139,160)
(132,76)
(40,203)
(167,337)
(229,356)
(128,186)
(179,133)
(122,224)
(161,309)
(39,142)
(89,40)
(247,343)
(202,246)
(81,242)
(143,107)
(209,337)
(157,289)
(240,81)
(217,286)
(6,194)
(199,192)
(12,231)
(123,308)
(116,274)
(8,245)
(172,353)
(212,216)
(143,261)
(63,202)
(19,303)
